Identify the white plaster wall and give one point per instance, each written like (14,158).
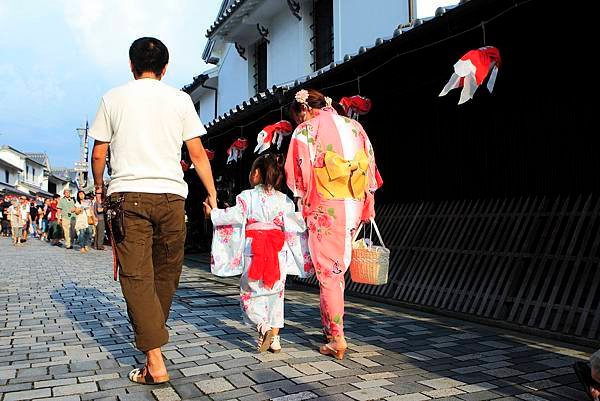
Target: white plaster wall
(233,81)
(12,176)
(288,54)
(207,106)
(12,158)
(359,22)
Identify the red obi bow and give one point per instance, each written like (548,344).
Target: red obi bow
(266,245)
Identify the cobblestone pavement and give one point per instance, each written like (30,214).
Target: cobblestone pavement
(64,335)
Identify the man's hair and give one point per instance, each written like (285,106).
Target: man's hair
(148,55)
(595,361)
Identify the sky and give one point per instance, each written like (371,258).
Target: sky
(58,57)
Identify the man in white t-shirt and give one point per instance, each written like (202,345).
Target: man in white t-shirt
(146,122)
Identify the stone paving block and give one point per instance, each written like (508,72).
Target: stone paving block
(217,385)
(445,392)
(54,383)
(138,396)
(27,395)
(199,370)
(264,375)
(327,366)
(312,378)
(441,383)
(408,397)
(65,398)
(288,371)
(372,383)
(233,394)
(540,384)
(372,393)
(481,386)
(75,389)
(166,394)
(530,397)
(305,395)
(380,375)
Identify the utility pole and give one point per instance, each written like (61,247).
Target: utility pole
(82,165)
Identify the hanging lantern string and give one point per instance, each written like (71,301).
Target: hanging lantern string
(480,25)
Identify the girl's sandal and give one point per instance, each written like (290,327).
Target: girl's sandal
(143,376)
(264,340)
(275,346)
(329,349)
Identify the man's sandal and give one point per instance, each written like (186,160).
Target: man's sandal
(143,376)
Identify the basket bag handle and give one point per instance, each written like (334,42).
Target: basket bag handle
(373,225)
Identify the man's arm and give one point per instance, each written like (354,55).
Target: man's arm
(203,169)
(98,165)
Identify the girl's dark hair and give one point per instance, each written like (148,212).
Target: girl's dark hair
(316,100)
(80,192)
(271,170)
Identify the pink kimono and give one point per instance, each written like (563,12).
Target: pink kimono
(331,167)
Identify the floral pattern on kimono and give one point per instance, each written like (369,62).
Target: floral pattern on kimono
(232,250)
(331,220)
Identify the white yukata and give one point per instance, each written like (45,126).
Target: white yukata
(232,250)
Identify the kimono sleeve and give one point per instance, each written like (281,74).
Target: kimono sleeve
(298,162)
(298,261)
(229,238)
(374,178)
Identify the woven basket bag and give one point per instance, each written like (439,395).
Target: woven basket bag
(369,265)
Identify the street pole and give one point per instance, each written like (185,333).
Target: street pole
(82,165)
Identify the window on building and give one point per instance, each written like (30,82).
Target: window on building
(26,173)
(260,66)
(33,175)
(322,39)
(52,187)
(6,177)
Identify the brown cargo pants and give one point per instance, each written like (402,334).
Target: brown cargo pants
(151,256)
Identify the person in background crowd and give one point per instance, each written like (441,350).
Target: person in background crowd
(98,211)
(33,218)
(66,217)
(5,221)
(26,218)
(54,229)
(16,223)
(82,226)
(45,213)
(589,376)
(146,122)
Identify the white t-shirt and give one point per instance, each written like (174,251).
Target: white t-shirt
(146,122)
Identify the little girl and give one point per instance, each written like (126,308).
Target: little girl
(263,239)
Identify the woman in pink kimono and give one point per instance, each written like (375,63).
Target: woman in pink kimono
(331,167)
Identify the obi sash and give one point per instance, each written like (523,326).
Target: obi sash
(342,179)
(267,241)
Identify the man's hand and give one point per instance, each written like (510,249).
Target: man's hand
(209,203)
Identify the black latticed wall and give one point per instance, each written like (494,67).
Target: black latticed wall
(526,261)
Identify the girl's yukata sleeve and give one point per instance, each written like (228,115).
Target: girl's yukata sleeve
(229,238)
(297,256)
(374,178)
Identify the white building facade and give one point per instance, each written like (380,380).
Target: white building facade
(28,174)
(258,44)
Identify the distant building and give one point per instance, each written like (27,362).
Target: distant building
(29,174)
